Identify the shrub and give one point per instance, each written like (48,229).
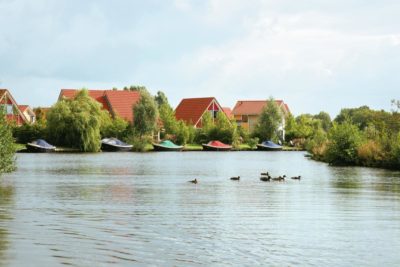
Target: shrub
(28,132)
(370,153)
(7,151)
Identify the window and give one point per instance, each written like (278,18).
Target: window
(245,118)
(10,110)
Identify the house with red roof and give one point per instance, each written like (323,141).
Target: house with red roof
(246,113)
(191,110)
(13,112)
(116,102)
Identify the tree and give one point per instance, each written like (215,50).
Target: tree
(113,127)
(161,99)
(268,122)
(7,151)
(325,119)
(76,122)
(145,115)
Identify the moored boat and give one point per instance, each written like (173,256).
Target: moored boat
(216,146)
(40,146)
(167,145)
(114,145)
(269,146)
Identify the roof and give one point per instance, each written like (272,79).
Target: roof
(3,92)
(121,102)
(190,110)
(117,102)
(23,107)
(254,107)
(228,112)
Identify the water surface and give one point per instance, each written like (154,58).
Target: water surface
(128,209)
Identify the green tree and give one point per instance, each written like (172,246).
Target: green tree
(7,151)
(268,122)
(76,122)
(161,99)
(113,127)
(326,121)
(145,115)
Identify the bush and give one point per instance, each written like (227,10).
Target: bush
(29,132)
(7,152)
(344,140)
(370,153)
(116,127)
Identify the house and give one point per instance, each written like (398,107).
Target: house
(246,113)
(12,111)
(191,110)
(116,102)
(29,114)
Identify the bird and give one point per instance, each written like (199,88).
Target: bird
(193,181)
(296,177)
(235,178)
(265,179)
(279,178)
(265,173)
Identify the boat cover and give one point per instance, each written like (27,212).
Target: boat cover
(217,144)
(42,143)
(270,144)
(168,143)
(114,141)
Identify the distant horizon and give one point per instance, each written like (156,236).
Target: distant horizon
(314,56)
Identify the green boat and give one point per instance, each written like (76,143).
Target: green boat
(167,145)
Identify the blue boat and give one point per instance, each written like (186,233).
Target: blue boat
(269,146)
(40,146)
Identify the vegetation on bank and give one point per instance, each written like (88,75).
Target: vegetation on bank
(7,149)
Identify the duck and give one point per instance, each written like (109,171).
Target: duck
(296,177)
(265,179)
(193,181)
(279,178)
(265,173)
(235,178)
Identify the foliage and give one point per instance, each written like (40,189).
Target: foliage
(29,132)
(268,122)
(370,153)
(76,122)
(161,99)
(326,121)
(145,115)
(7,152)
(344,141)
(138,142)
(110,127)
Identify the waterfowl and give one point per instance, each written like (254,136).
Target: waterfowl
(265,173)
(193,181)
(296,177)
(235,178)
(265,179)
(280,178)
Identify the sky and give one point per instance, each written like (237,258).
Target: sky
(316,55)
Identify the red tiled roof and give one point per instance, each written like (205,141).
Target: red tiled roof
(254,107)
(18,118)
(190,110)
(117,102)
(228,112)
(23,107)
(122,102)
(2,92)
(97,95)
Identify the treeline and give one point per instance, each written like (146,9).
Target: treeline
(357,136)
(81,123)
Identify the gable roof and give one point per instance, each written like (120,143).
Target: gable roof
(117,102)
(190,110)
(23,107)
(254,107)
(5,92)
(122,102)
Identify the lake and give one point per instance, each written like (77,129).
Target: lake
(137,209)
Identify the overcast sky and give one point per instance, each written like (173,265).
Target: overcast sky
(314,54)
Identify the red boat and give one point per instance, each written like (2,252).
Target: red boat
(216,146)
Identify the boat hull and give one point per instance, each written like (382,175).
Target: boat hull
(38,149)
(267,148)
(115,148)
(164,148)
(216,148)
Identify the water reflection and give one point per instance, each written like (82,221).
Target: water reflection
(6,204)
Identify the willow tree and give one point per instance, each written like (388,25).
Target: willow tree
(76,122)
(7,151)
(145,115)
(269,121)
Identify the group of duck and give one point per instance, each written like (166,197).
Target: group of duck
(265,177)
